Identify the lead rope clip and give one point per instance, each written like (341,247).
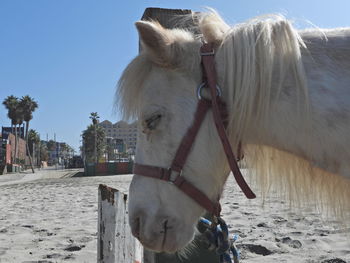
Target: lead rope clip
(217,237)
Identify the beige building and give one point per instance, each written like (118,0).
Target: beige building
(121,130)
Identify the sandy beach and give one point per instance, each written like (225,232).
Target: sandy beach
(47,218)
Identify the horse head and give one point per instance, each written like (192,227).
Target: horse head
(159,89)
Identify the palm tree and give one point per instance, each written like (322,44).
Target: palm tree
(11,103)
(28,106)
(94,117)
(34,143)
(19,121)
(93,142)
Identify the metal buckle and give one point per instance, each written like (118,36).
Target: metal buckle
(172,180)
(202,85)
(211,53)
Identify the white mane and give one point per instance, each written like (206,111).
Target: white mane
(252,51)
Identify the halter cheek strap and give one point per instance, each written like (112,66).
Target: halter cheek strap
(208,63)
(173,174)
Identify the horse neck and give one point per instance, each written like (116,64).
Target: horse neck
(259,80)
(302,125)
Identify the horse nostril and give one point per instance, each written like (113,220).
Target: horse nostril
(166,226)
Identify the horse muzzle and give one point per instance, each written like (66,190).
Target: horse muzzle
(160,233)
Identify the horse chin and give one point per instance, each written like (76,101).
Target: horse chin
(171,242)
(168,247)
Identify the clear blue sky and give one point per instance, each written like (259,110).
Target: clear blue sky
(69,54)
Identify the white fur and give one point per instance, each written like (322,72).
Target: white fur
(288,97)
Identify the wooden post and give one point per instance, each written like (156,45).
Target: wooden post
(170,18)
(115,242)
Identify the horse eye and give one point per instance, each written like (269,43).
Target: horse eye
(152,122)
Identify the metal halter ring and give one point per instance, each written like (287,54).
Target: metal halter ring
(202,85)
(173,179)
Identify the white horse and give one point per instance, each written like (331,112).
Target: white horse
(288,95)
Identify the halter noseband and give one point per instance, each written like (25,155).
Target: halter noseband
(173,174)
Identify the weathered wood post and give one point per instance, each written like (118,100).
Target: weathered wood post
(168,18)
(115,242)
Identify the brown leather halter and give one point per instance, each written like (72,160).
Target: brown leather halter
(173,174)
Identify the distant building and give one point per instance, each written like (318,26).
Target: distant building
(7,149)
(117,145)
(120,145)
(5,131)
(7,146)
(22,152)
(58,154)
(122,131)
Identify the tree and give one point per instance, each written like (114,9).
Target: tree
(65,150)
(44,155)
(19,121)
(33,139)
(28,106)
(93,135)
(11,103)
(110,149)
(94,117)
(34,144)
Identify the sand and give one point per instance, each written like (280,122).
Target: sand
(275,232)
(46,218)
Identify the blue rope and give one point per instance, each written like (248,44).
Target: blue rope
(218,239)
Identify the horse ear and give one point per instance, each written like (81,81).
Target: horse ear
(156,40)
